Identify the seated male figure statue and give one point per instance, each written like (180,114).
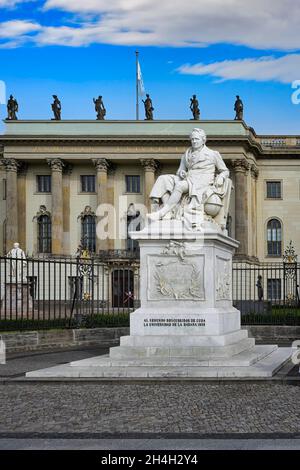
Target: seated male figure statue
(202,173)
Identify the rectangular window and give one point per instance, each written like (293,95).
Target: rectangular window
(43,183)
(274,289)
(133,184)
(273,189)
(4,189)
(88,183)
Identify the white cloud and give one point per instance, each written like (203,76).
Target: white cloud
(15,28)
(260,24)
(283,69)
(11,3)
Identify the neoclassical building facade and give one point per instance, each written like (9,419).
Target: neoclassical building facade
(55,174)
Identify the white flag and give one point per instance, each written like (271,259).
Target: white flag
(2,92)
(140,80)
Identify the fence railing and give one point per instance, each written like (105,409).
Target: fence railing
(42,293)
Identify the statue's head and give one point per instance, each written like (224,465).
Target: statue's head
(198,138)
(16,245)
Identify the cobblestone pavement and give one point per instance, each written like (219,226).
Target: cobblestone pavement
(151,408)
(136,409)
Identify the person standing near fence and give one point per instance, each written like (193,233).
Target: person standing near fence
(260,290)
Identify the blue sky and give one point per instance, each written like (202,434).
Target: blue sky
(213,48)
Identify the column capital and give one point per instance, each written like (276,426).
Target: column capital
(254,171)
(68,168)
(56,164)
(149,164)
(240,165)
(101,164)
(22,168)
(11,164)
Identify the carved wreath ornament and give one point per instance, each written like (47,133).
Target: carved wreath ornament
(182,283)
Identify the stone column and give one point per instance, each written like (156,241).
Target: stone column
(254,176)
(241,168)
(150,166)
(102,166)
(111,201)
(21,184)
(57,165)
(66,208)
(11,202)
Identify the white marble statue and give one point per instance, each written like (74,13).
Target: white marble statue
(200,189)
(18,264)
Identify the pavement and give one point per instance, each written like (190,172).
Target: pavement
(167,414)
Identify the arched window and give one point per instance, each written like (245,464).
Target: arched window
(274,237)
(88,233)
(44,234)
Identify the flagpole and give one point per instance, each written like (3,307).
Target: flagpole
(137,84)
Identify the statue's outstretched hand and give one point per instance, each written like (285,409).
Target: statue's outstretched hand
(219,181)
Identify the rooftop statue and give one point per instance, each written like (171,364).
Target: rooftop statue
(12,108)
(56,108)
(148,108)
(99,108)
(239,108)
(199,191)
(194,107)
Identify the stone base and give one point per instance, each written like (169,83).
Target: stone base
(17,301)
(258,362)
(186,326)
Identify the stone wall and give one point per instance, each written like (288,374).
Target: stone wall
(56,339)
(107,337)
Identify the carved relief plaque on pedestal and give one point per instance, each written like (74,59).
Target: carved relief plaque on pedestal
(223,279)
(173,278)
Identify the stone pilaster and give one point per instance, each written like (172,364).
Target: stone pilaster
(111,201)
(150,166)
(21,189)
(254,175)
(11,166)
(57,166)
(241,169)
(102,166)
(67,171)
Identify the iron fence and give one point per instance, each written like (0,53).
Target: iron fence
(267,293)
(42,293)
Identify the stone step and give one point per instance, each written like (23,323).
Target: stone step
(183,340)
(197,352)
(271,360)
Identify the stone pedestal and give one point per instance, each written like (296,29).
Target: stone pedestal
(186,325)
(17,301)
